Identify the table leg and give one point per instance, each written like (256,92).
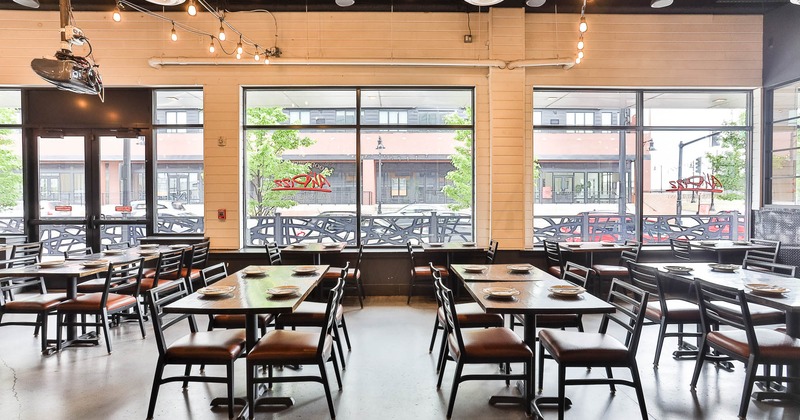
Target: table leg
(793,330)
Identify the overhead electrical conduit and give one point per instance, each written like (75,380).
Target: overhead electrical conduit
(565,63)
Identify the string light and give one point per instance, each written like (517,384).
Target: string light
(256,56)
(221,31)
(192,10)
(239,48)
(173,35)
(580,54)
(211,46)
(578,60)
(117,16)
(580,43)
(583,27)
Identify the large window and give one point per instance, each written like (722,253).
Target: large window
(365,180)
(179,162)
(678,170)
(784,179)
(11,208)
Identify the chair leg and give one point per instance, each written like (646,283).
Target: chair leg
(610,375)
(435,331)
(442,354)
(186,372)
(441,373)
(360,290)
(637,384)
(59,327)
(251,373)
(138,311)
(156,384)
(38,323)
(562,376)
(44,331)
(454,391)
(229,384)
(338,340)
(749,379)
(660,341)
(104,320)
(699,362)
(410,290)
(324,376)
(336,372)
(346,335)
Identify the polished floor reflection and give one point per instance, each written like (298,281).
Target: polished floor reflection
(389,375)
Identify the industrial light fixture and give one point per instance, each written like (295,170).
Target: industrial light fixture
(535,3)
(657,4)
(483,3)
(117,16)
(345,3)
(192,10)
(173,35)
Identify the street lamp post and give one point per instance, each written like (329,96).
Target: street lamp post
(380,148)
(681,145)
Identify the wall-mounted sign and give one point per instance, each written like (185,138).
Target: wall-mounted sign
(62,208)
(123,209)
(697,183)
(311,181)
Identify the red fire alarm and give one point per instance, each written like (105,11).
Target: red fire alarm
(222,214)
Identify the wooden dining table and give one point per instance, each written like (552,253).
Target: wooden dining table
(449,249)
(588,249)
(534,299)
(315,250)
(788,302)
(72,271)
(728,251)
(250,298)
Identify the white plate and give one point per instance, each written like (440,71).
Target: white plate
(300,246)
(475,268)
(678,269)
(215,290)
(436,244)
(520,268)
(766,289)
(113,252)
(148,246)
(254,271)
(566,290)
(179,246)
(305,270)
(606,243)
(283,290)
(708,243)
(574,244)
(53,263)
(468,244)
(501,292)
(148,252)
(741,243)
(95,263)
(724,268)
(333,245)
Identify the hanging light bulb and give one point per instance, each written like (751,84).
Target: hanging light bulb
(583,27)
(192,10)
(580,54)
(116,15)
(211,46)
(239,48)
(256,56)
(238,56)
(578,60)
(580,43)
(266,58)
(221,31)
(173,35)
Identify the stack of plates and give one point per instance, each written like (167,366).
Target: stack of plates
(607,243)
(708,243)
(520,268)
(148,246)
(179,246)
(724,268)
(501,292)
(331,245)
(475,268)
(436,244)
(468,244)
(216,290)
(679,269)
(766,289)
(113,252)
(310,269)
(574,244)
(283,291)
(566,290)
(254,271)
(95,263)
(741,243)
(51,263)
(299,246)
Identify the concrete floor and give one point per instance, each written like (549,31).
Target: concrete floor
(389,375)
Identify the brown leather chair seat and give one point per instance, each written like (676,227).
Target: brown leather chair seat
(238,321)
(491,345)
(147,283)
(678,310)
(424,271)
(577,347)
(605,270)
(98,285)
(771,344)
(471,315)
(219,345)
(289,346)
(33,304)
(92,301)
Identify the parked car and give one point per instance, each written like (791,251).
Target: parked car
(48,208)
(422,209)
(163,208)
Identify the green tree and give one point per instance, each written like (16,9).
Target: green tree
(728,166)
(460,188)
(265,161)
(10,163)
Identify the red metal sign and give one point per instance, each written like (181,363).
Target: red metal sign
(311,181)
(123,209)
(62,208)
(697,183)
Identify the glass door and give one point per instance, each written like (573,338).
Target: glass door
(91,189)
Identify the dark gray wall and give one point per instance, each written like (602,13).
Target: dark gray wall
(781,41)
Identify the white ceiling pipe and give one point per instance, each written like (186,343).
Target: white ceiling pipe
(158,62)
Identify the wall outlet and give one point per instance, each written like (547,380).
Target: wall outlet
(468,39)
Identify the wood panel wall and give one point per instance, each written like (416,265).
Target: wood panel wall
(622,51)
